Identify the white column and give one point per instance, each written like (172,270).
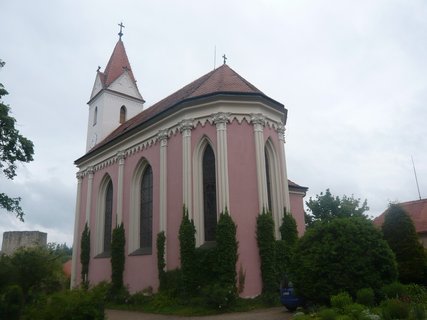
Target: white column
(220,119)
(185,127)
(162,136)
(284,176)
(121,160)
(76,237)
(258,122)
(89,172)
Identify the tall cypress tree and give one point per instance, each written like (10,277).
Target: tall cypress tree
(187,248)
(399,232)
(85,255)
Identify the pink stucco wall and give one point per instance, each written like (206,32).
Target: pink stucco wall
(297,210)
(141,271)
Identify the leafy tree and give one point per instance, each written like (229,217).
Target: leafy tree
(62,251)
(399,232)
(13,148)
(344,254)
(266,246)
(326,207)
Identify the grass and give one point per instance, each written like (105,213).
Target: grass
(162,304)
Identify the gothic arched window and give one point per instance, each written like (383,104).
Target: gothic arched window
(146,210)
(209,193)
(108,216)
(268,176)
(122,114)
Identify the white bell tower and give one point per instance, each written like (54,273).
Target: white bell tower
(115,97)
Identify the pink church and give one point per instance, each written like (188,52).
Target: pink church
(216,143)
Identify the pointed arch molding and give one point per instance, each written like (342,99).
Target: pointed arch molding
(153,138)
(135,205)
(100,214)
(198,210)
(276,189)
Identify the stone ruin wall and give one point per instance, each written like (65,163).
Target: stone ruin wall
(12,240)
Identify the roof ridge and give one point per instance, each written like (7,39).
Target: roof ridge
(250,85)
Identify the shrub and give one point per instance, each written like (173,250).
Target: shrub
(366,296)
(393,290)
(85,255)
(328,314)
(418,312)
(117,258)
(11,303)
(74,304)
(354,310)
(342,254)
(394,309)
(341,300)
(399,232)
(266,247)
(219,296)
(417,293)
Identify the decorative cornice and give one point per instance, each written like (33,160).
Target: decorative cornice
(185,125)
(220,117)
(79,176)
(281,131)
(120,157)
(257,118)
(89,171)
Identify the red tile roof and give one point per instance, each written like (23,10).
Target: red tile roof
(417,211)
(222,80)
(117,64)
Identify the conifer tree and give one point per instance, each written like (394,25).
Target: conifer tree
(399,232)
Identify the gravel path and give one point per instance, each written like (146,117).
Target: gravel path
(279,313)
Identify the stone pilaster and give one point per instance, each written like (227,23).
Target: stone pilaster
(185,127)
(89,173)
(284,176)
(76,238)
(162,136)
(258,122)
(221,119)
(120,157)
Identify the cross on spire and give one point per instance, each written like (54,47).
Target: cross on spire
(121,27)
(225,58)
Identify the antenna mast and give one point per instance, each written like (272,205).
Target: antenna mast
(416,179)
(214,57)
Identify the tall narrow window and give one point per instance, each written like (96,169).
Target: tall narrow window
(108,217)
(95,115)
(146,220)
(268,176)
(209,194)
(122,114)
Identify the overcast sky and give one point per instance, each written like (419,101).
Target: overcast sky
(352,74)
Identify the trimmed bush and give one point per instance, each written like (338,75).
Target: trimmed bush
(393,290)
(328,314)
(161,263)
(187,247)
(288,229)
(226,251)
(117,258)
(85,256)
(266,247)
(342,254)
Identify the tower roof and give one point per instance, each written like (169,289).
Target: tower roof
(117,64)
(221,81)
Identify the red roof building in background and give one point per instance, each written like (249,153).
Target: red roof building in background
(417,211)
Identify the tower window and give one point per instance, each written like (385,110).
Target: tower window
(122,114)
(95,115)
(268,176)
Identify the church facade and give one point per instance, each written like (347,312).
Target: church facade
(216,143)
